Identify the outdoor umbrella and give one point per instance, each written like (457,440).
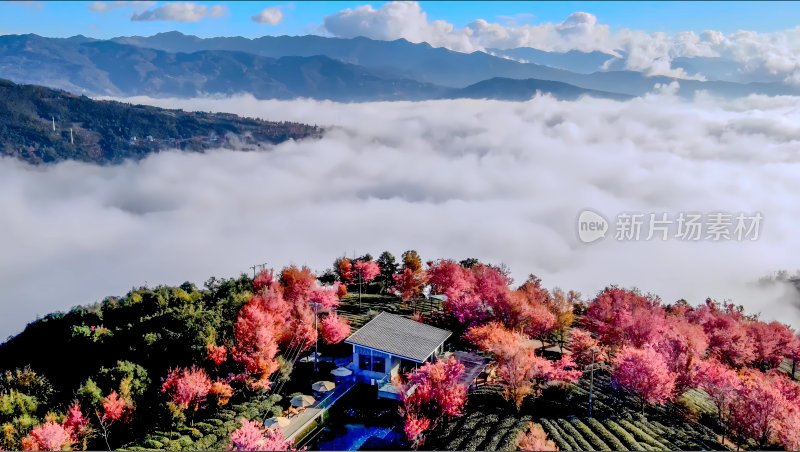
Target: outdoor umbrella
(303,400)
(323,386)
(279,421)
(342,372)
(310,358)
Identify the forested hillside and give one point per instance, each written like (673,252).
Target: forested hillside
(42,125)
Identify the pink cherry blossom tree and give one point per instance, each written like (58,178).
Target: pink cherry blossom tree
(48,436)
(187,388)
(437,395)
(643,373)
(334,329)
(252,437)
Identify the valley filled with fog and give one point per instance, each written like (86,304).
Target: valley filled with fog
(499,181)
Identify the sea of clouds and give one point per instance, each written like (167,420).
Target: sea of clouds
(500,181)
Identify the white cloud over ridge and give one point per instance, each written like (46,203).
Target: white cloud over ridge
(775,53)
(269,16)
(180,12)
(501,181)
(102,6)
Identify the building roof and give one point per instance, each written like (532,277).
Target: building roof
(399,336)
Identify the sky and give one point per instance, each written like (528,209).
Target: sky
(110,19)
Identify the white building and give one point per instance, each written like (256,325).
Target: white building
(391,343)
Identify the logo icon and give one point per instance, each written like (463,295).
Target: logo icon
(591,226)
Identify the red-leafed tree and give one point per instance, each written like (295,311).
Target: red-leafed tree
(75,422)
(585,349)
(256,345)
(522,373)
(326,298)
(409,283)
(437,395)
(721,384)
(298,283)
(532,314)
(263,280)
(341,290)
(793,354)
(622,317)
(490,285)
(493,337)
(343,267)
(187,388)
(457,283)
(252,437)
(771,341)
(643,373)
(303,327)
(364,272)
(415,429)
(222,392)
(217,354)
(789,431)
(334,329)
(275,308)
(682,345)
(758,409)
(48,436)
(535,439)
(114,409)
(449,278)
(727,331)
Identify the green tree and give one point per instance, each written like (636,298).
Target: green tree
(389,268)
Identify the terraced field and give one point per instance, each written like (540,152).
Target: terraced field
(490,424)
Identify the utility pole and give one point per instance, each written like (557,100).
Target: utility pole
(591,381)
(316,331)
(359,290)
(254,270)
(54,123)
(71,140)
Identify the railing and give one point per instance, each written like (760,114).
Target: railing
(320,408)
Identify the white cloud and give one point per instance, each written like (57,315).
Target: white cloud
(102,7)
(776,53)
(501,181)
(269,16)
(180,12)
(35,4)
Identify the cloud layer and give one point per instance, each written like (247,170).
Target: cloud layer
(776,54)
(500,181)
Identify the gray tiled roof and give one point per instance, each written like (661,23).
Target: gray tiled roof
(399,336)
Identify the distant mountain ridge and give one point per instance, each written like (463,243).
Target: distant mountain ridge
(345,70)
(454,69)
(42,125)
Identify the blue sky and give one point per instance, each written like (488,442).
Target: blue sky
(59,19)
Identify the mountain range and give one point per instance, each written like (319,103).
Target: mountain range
(352,70)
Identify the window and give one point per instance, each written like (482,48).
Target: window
(364,360)
(378,364)
(371,361)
